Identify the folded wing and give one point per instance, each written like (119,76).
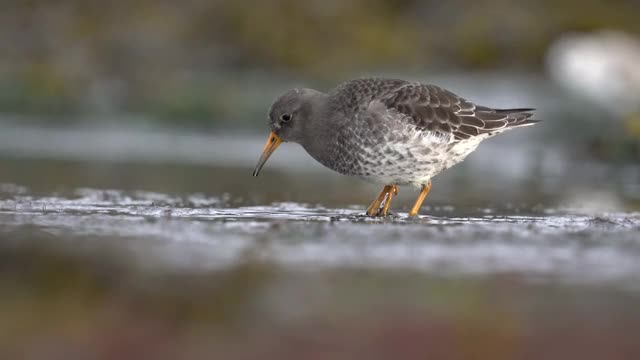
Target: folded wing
(435,109)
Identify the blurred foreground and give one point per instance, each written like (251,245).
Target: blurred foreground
(64,301)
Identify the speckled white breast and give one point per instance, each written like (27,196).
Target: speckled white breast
(417,161)
(406,155)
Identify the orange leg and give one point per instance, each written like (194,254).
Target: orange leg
(372,210)
(423,194)
(387,203)
(385,196)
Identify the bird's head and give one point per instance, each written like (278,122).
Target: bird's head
(288,118)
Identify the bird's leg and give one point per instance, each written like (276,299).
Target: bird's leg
(385,210)
(418,203)
(374,208)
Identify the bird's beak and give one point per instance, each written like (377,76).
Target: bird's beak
(272,144)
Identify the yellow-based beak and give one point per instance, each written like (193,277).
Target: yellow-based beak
(272,144)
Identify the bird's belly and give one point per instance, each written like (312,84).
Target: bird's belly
(390,169)
(411,163)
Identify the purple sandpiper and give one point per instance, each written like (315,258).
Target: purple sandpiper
(386,131)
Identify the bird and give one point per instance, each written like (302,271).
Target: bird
(386,131)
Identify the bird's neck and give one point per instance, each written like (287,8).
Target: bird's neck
(322,130)
(318,117)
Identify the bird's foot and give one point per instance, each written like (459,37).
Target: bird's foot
(380,206)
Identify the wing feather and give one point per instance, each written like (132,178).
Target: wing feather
(435,109)
(429,107)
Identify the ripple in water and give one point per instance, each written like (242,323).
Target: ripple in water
(200,232)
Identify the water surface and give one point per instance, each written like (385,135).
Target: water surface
(201,232)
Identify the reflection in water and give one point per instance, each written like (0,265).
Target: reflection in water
(201,232)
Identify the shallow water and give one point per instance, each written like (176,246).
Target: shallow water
(198,232)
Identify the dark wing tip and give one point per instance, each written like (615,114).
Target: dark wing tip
(514,111)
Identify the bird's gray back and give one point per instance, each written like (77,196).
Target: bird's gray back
(428,107)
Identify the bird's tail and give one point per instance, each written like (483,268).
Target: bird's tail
(518,117)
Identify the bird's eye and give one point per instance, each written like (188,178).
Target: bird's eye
(285,117)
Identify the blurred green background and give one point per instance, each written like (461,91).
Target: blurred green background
(92,85)
(216,64)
